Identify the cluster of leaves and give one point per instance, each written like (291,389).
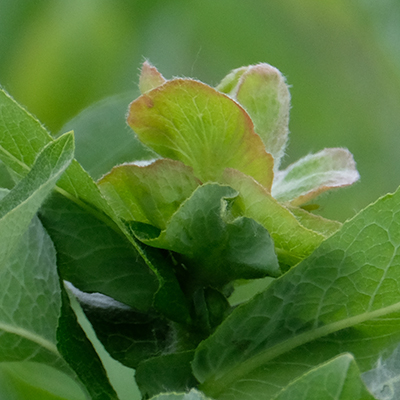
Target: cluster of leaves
(172,248)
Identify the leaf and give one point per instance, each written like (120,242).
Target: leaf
(128,336)
(314,174)
(19,206)
(79,353)
(262,91)
(149,194)
(150,78)
(102,137)
(34,381)
(214,246)
(293,242)
(191,122)
(349,280)
(96,258)
(22,136)
(338,379)
(192,395)
(166,373)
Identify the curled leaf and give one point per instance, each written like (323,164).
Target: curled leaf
(262,91)
(314,174)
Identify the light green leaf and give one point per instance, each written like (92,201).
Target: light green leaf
(22,136)
(314,174)
(192,395)
(262,91)
(150,78)
(191,122)
(214,246)
(19,206)
(34,381)
(338,379)
(149,194)
(367,342)
(30,299)
(293,241)
(102,137)
(352,278)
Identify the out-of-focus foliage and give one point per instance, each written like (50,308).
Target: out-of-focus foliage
(341,59)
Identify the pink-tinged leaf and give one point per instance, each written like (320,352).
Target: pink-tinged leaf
(314,174)
(189,121)
(150,78)
(293,241)
(149,194)
(262,91)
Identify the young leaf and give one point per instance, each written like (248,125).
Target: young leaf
(150,78)
(293,242)
(314,174)
(214,246)
(19,206)
(337,379)
(191,122)
(149,194)
(350,279)
(262,91)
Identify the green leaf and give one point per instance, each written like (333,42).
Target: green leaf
(128,336)
(149,194)
(19,206)
(22,136)
(150,78)
(192,395)
(337,379)
(166,373)
(34,381)
(314,174)
(368,342)
(96,258)
(214,246)
(349,280)
(262,91)
(293,241)
(102,137)
(191,122)
(80,354)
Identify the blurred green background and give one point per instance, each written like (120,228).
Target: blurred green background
(341,58)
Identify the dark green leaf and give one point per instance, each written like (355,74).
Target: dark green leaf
(129,337)
(95,257)
(214,246)
(166,373)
